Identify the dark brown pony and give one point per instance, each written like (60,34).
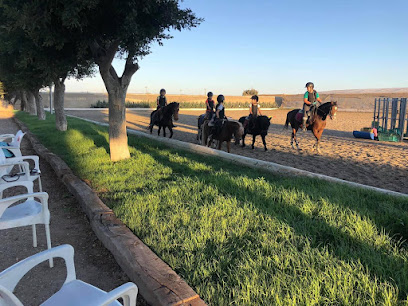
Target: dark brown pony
(317,124)
(230,129)
(163,118)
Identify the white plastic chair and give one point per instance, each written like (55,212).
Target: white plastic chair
(14,145)
(73,291)
(30,212)
(31,175)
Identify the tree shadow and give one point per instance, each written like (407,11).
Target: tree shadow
(380,261)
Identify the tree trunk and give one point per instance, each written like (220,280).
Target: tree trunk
(32,109)
(118,140)
(23,99)
(39,104)
(60,118)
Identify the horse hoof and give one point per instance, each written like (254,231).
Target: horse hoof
(266,149)
(253,147)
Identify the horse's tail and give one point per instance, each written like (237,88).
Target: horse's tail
(287,121)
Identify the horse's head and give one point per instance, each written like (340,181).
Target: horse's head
(263,123)
(333,110)
(175,107)
(238,132)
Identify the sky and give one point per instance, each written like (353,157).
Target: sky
(276,47)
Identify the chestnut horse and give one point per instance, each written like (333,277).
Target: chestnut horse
(163,118)
(230,129)
(317,124)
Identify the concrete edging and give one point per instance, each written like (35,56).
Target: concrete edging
(250,162)
(157,282)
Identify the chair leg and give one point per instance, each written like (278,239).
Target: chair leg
(47,234)
(34,236)
(39,184)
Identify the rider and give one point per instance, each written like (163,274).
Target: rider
(161,100)
(254,111)
(209,103)
(219,113)
(309,102)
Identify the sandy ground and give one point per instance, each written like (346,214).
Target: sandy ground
(94,264)
(380,164)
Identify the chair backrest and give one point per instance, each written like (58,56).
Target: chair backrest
(6,202)
(8,298)
(3,170)
(10,277)
(17,139)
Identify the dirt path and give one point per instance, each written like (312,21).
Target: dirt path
(94,264)
(379,164)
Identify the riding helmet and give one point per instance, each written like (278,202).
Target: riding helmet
(255,97)
(210,94)
(220,98)
(309,84)
(162,91)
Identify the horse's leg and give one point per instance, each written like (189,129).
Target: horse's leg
(293,137)
(158,132)
(164,131)
(264,142)
(253,141)
(151,128)
(228,146)
(171,131)
(318,135)
(243,139)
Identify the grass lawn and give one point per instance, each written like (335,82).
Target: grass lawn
(241,236)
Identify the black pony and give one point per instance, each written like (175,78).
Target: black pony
(260,126)
(163,118)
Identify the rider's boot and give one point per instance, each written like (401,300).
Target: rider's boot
(304,128)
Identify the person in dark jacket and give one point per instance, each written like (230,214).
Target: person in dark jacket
(161,100)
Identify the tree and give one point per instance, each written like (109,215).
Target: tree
(127,29)
(47,52)
(250,92)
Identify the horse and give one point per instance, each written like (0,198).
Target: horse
(163,118)
(229,129)
(260,127)
(316,126)
(200,121)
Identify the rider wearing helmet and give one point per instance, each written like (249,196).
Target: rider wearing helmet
(254,111)
(219,111)
(210,106)
(161,100)
(309,102)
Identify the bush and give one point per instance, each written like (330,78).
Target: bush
(250,92)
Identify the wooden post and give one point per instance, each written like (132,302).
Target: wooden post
(375,108)
(383,115)
(387,105)
(402,114)
(394,111)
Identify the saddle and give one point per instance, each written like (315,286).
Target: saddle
(216,129)
(310,117)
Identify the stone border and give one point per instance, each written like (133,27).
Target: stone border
(250,162)
(157,282)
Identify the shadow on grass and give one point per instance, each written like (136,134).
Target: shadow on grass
(380,261)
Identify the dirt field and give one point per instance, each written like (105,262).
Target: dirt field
(380,164)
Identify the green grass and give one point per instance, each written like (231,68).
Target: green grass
(240,236)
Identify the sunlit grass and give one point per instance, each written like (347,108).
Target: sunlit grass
(240,236)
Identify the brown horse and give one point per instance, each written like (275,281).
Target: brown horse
(229,130)
(317,124)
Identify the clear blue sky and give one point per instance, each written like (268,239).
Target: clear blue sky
(276,47)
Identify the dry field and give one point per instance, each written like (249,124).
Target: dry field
(380,164)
